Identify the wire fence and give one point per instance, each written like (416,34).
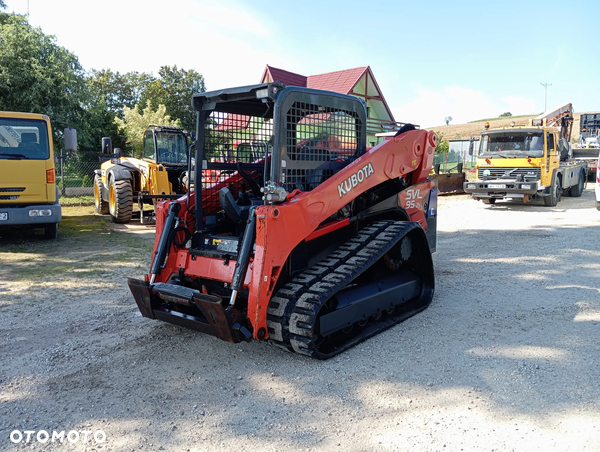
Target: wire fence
(457,154)
(75,174)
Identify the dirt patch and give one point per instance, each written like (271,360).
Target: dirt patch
(507,357)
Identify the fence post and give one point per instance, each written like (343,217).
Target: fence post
(62,173)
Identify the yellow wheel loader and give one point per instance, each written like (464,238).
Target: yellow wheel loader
(159,174)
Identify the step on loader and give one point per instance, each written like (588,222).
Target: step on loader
(295,233)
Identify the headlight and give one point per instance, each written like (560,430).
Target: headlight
(526,186)
(40,213)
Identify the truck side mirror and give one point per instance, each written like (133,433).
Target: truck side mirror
(471,146)
(117,153)
(107,148)
(70,136)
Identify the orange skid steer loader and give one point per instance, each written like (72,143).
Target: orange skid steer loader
(314,245)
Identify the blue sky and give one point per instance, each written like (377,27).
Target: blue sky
(465,59)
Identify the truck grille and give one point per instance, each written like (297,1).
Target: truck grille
(12,189)
(9,197)
(533,173)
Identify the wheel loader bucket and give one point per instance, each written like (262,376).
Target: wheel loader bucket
(449,183)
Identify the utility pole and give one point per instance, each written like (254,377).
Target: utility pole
(545,85)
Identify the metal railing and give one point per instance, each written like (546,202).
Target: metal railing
(379,125)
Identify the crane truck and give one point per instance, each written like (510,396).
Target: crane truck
(529,162)
(314,245)
(28,191)
(158,174)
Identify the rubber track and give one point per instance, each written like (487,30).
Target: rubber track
(123,202)
(292,312)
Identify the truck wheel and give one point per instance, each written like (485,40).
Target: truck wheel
(489,200)
(576,190)
(50,230)
(100,204)
(555,192)
(120,201)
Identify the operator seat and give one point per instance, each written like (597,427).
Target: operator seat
(231,208)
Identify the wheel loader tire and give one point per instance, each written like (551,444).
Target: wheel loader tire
(100,204)
(555,192)
(576,190)
(489,200)
(120,201)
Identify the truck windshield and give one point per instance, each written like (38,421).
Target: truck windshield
(172,148)
(512,144)
(23,139)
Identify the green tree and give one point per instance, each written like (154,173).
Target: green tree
(443,145)
(98,122)
(119,90)
(36,75)
(508,114)
(174,89)
(3,16)
(134,123)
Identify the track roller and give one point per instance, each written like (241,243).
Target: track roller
(375,280)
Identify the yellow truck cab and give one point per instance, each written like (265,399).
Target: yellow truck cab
(528,162)
(28,191)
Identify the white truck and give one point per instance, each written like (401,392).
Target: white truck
(598,184)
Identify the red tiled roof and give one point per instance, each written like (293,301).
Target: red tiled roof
(285,77)
(234,122)
(338,81)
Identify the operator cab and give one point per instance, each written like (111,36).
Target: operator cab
(166,145)
(266,135)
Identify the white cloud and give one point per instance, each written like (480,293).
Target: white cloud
(520,105)
(463,104)
(229,17)
(224,41)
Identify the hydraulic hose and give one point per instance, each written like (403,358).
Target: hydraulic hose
(164,244)
(241,266)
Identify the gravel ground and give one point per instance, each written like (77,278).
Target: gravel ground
(506,358)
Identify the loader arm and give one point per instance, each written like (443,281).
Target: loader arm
(287,224)
(313,242)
